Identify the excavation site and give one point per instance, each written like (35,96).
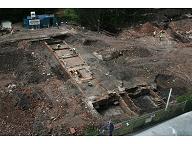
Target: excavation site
(68,79)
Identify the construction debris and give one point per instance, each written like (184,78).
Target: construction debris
(72,131)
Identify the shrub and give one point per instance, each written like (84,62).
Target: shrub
(91,131)
(185,97)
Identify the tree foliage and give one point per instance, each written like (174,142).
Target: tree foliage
(108,19)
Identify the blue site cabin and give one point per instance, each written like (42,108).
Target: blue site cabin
(40,21)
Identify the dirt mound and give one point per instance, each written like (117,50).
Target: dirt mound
(128,34)
(139,31)
(146,28)
(181,25)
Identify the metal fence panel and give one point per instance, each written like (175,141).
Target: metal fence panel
(135,123)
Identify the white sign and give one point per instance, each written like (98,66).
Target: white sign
(32,15)
(34,22)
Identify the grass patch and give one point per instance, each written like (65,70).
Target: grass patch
(185,97)
(91,131)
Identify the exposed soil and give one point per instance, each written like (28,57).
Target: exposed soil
(38,97)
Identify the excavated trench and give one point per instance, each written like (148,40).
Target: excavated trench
(112,54)
(164,82)
(101,105)
(138,100)
(68,37)
(144,98)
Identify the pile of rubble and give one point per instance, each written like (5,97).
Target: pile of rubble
(146,29)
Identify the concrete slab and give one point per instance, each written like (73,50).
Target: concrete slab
(85,74)
(64,53)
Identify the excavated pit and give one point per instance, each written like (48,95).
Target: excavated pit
(107,104)
(69,38)
(137,100)
(164,82)
(112,54)
(94,42)
(143,99)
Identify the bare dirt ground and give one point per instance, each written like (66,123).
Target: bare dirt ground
(38,98)
(143,57)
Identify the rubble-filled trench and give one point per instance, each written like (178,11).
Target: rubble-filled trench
(60,85)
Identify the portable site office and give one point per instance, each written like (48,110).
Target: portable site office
(40,21)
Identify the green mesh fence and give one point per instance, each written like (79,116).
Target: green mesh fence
(132,124)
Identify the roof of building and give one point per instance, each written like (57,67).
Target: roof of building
(42,16)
